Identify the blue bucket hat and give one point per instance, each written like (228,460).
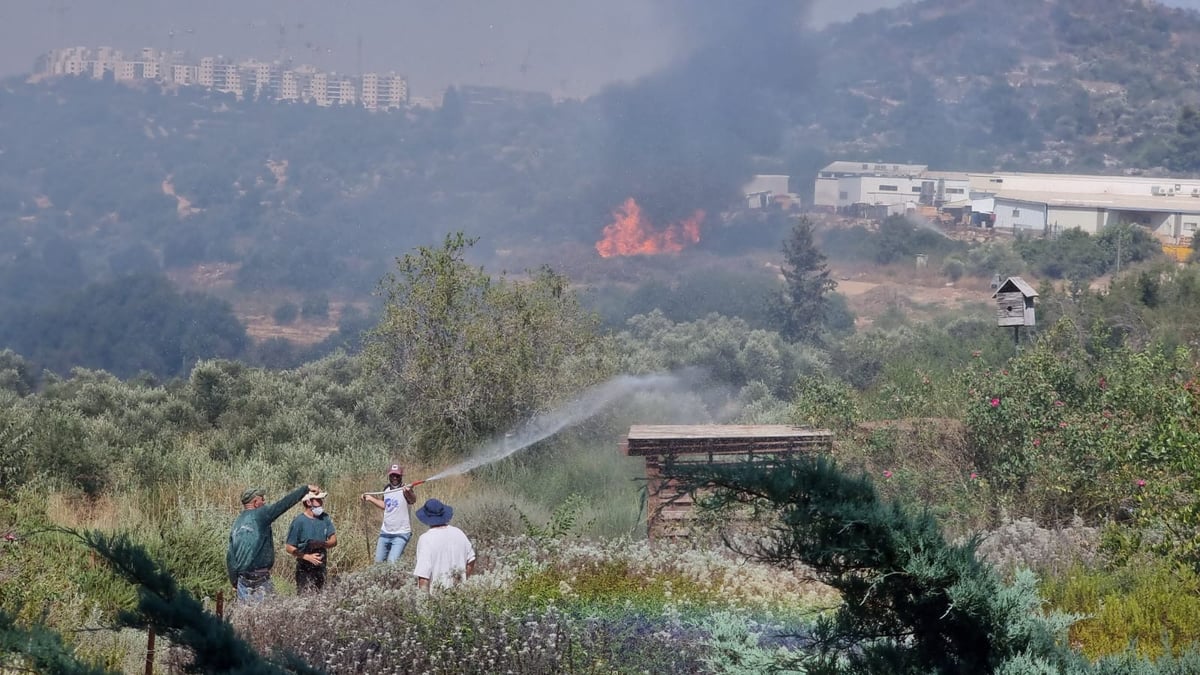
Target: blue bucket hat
(434,513)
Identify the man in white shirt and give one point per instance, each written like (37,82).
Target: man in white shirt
(444,554)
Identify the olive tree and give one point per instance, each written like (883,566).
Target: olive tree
(471,355)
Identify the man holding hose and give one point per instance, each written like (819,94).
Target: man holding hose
(397,522)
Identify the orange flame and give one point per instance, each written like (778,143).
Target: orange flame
(632,234)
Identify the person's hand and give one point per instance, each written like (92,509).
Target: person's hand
(312,559)
(364,496)
(313,487)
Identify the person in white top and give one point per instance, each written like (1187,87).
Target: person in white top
(397,526)
(444,554)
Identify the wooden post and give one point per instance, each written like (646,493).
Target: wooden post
(221,604)
(150,651)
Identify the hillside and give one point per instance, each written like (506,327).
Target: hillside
(1094,85)
(295,203)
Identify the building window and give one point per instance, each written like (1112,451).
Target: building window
(1016,213)
(888,188)
(954,191)
(916,189)
(843,195)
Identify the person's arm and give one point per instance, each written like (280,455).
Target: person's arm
(371,499)
(470,568)
(299,554)
(289,500)
(423,583)
(330,542)
(409,495)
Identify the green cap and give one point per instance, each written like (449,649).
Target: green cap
(251,493)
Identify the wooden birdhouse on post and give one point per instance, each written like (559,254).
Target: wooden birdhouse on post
(1014,305)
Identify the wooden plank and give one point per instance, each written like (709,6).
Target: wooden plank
(718,431)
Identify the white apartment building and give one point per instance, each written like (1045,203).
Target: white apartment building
(290,86)
(260,79)
(206,72)
(183,73)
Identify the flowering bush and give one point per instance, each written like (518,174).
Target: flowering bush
(535,606)
(1104,433)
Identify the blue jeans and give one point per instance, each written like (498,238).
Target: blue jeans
(390,546)
(251,589)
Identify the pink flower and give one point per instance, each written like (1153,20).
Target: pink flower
(995,402)
(1141,482)
(887,474)
(974,476)
(1059,404)
(1062,425)
(975,353)
(1037,442)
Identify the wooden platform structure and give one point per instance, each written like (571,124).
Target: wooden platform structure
(669,510)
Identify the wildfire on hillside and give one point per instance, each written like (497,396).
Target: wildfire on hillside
(631,233)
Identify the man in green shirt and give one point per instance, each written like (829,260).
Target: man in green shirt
(251,553)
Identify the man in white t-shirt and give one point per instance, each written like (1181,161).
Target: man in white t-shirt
(397,526)
(444,554)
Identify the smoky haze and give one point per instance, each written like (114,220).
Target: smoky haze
(567,48)
(683,138)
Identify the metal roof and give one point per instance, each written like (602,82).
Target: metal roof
(1164,204)
(870,168)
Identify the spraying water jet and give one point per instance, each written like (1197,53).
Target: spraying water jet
(540,427)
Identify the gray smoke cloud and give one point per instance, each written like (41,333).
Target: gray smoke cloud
(684,138)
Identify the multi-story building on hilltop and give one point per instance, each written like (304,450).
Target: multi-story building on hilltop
(257,79)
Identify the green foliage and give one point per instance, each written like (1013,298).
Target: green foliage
(728,350)
(953,268)
(126,326)
(38,649)
(910,601)
(472,355)
(1102,434)
(563,519)
(807,283)
(1076,255)
(315,307)
(824,402)
(286,313)
(1150,605)
(690,295)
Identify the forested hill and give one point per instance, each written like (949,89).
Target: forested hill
(1090,85)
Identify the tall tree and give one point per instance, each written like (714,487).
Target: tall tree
(473,355)
(808,282)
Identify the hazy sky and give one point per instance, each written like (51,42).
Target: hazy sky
(564,46)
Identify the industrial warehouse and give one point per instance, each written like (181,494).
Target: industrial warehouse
(1030,202)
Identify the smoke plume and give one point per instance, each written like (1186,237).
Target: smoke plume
(684,139)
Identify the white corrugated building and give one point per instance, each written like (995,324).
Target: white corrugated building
(1035,202)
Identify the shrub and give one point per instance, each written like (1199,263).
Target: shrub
(286,313)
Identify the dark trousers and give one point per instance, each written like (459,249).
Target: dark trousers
(309,578)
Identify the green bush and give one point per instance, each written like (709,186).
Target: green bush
(1150,605)
(286,313)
